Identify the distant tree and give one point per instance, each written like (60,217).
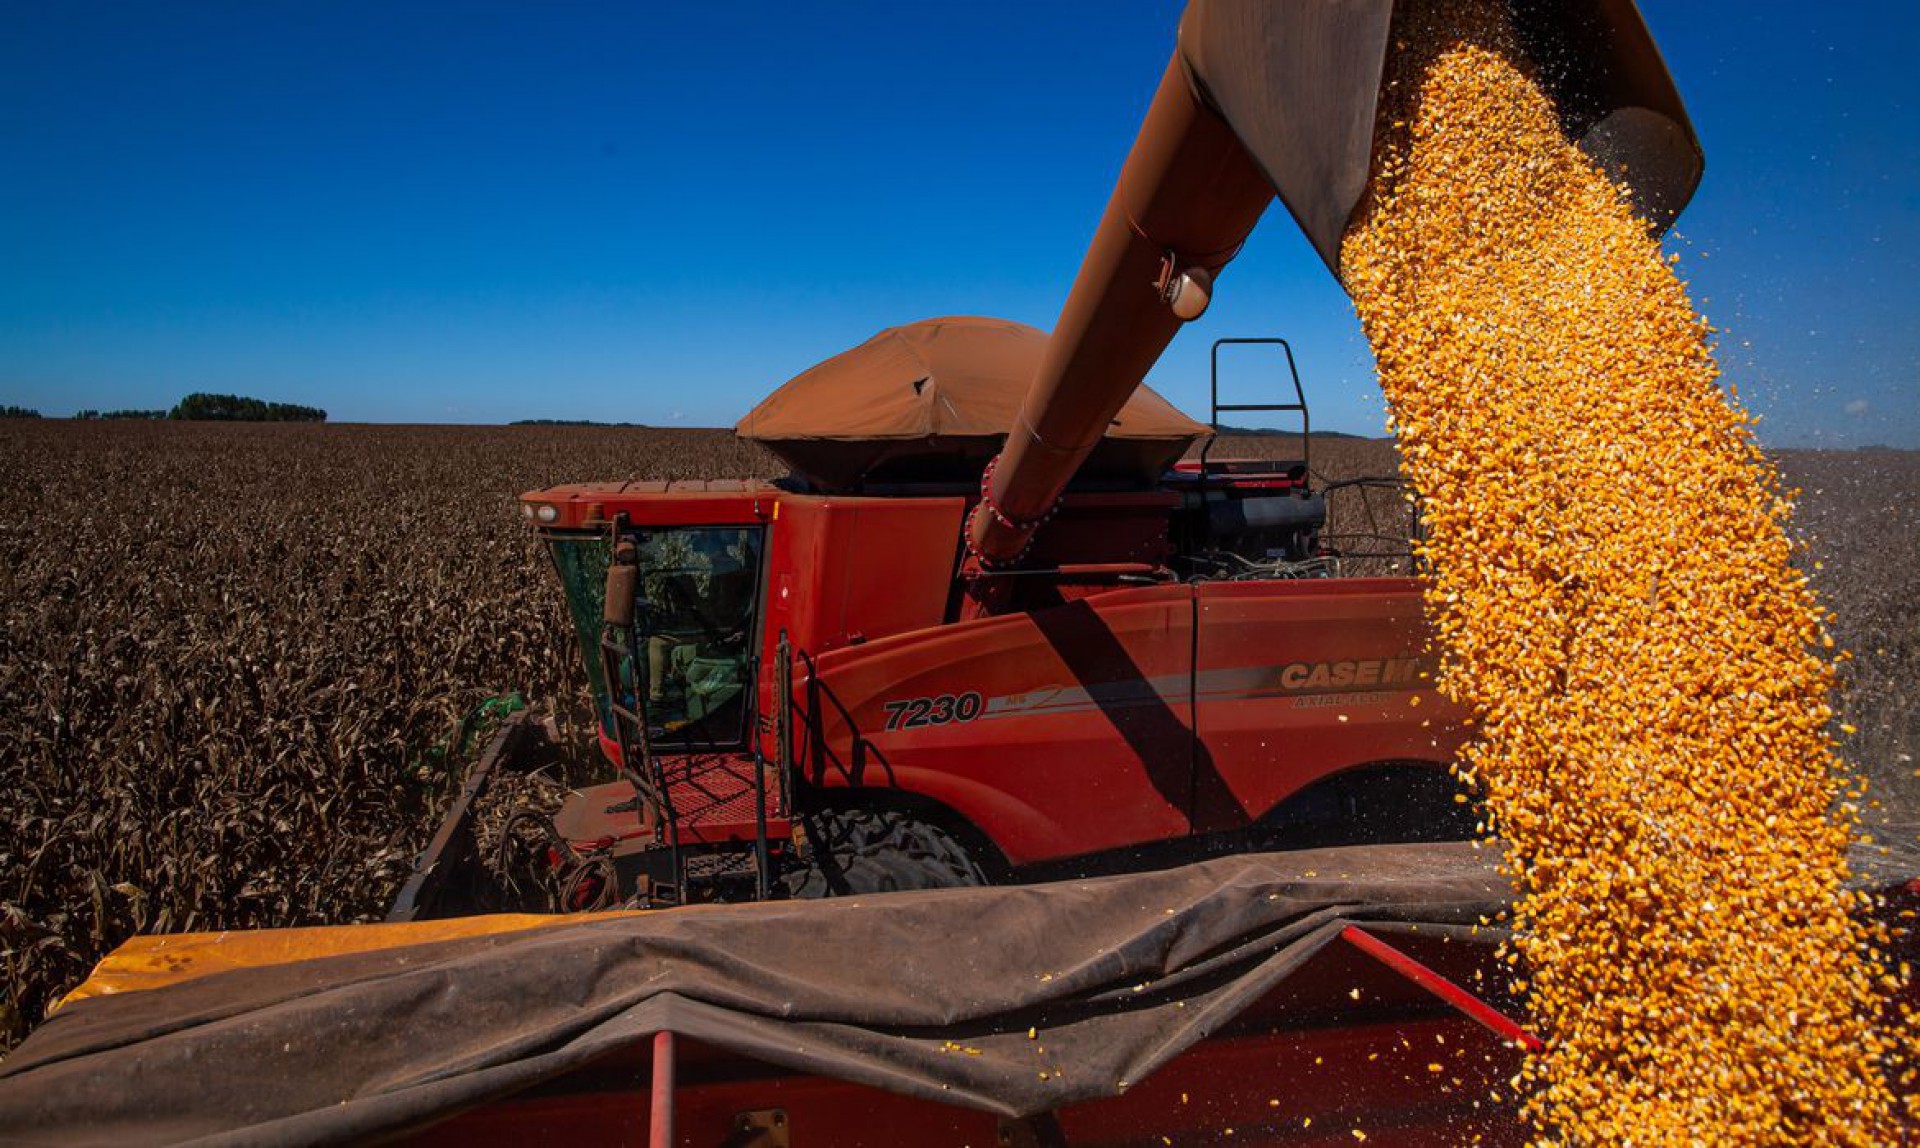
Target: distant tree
(11,412)
(568,423)
(91,414)
(200,407)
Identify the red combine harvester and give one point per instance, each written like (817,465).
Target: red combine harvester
(991,630)
(819,686)
(931,659)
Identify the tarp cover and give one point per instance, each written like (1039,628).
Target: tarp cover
(1120,973)
(942,391)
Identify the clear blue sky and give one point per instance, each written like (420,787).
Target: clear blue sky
(474,212)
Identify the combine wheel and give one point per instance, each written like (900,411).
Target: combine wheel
(878,851)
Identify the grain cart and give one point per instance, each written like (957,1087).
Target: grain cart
(990,628)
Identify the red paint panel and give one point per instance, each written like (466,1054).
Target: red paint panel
(1288,1087)
(843,569)
(848,569)
(1117,527)
(1317,1088)
(1300,680)
(1064,730)
(714,1088)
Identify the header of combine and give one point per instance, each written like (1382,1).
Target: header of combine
(1264,98)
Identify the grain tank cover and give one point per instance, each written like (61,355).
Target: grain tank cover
(933,401)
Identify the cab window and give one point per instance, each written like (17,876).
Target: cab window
(698,591)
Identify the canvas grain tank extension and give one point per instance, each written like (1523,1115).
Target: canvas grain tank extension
(933,401)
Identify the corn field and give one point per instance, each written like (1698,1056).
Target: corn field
(228,653)
(232,650)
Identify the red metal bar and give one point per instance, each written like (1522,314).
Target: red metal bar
(1475,1008)
(660,1113)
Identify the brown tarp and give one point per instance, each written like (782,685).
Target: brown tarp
(940,393)
(1121,974)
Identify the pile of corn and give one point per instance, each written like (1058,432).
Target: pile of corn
(1613,591)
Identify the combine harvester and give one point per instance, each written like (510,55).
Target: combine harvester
(1102,685)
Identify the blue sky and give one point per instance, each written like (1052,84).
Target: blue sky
(478,212)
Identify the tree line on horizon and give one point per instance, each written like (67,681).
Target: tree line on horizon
(203,407)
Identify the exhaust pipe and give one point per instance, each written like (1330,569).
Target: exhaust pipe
(1278,97)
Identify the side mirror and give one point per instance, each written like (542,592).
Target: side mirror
(623,587)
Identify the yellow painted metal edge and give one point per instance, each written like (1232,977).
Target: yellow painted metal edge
(153,962)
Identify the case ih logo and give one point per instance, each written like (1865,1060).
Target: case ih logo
(1315,677)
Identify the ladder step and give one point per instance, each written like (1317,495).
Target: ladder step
(740,863)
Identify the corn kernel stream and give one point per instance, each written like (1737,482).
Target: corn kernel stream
(1613,594)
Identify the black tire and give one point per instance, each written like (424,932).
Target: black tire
(854,851)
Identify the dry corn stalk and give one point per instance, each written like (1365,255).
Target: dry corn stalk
(1613,589)
(227,652)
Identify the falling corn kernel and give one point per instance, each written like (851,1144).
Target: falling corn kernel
(1612,593)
